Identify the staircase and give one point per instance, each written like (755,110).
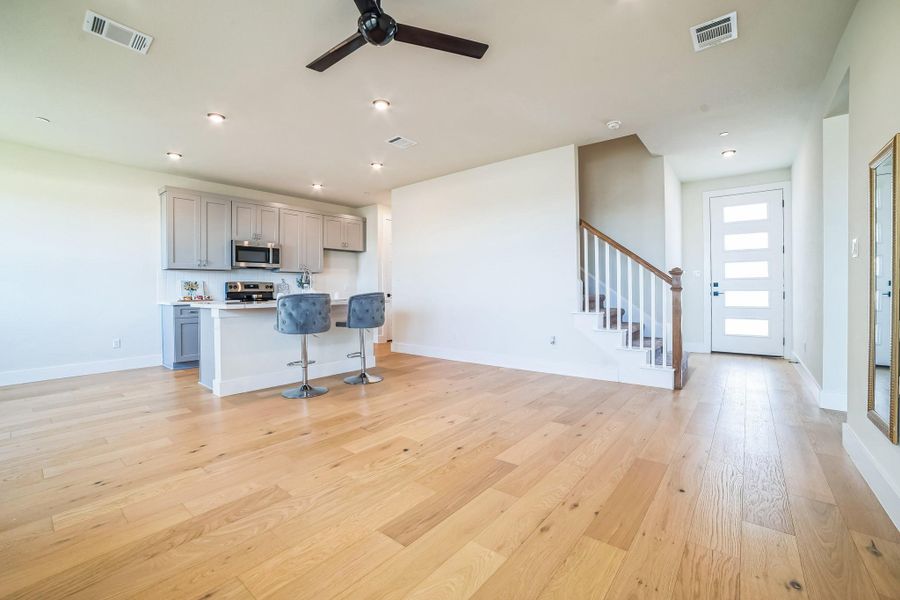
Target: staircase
(632,310)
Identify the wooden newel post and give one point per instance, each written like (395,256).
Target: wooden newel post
(677,351)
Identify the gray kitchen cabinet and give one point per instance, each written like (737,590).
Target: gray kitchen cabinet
(196,231)
(313,239)
(300,238)
(344,232)
(254,222)
(181,230)
(354,235)
(334,233)
(180,336)
(215,233)
(268,225)
(243,221)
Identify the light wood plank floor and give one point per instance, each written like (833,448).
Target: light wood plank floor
(447,481)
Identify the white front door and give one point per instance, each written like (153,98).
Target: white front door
(747,272)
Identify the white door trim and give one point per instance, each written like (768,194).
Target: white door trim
(785,187)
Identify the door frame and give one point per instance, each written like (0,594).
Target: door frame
(381,339)
(785,187)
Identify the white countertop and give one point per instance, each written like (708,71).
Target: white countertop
(251,305)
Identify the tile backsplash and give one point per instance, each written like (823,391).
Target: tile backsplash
(339,278)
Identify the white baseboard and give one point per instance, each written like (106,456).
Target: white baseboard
(888,495)
(808,381)
(289,376)
(696,347)
(833,400)
(585,370)
(78,369)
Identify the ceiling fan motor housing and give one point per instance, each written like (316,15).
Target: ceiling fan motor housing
(377,28)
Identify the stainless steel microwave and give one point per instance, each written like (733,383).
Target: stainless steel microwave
(255,255)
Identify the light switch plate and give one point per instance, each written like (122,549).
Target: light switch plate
(854,247)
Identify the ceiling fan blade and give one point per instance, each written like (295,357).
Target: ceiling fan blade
(365,6)
(439,41)
(339,52)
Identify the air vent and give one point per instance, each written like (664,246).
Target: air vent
(401,142)
(116,32)
(715,32)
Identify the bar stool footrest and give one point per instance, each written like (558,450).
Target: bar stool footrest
(299,363)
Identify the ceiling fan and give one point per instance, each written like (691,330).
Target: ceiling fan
(378,28)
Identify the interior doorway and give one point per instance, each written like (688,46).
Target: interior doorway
(385,333)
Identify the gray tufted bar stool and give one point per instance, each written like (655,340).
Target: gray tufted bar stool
(364,311)
(303,315)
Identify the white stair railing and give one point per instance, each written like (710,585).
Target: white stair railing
(648,303)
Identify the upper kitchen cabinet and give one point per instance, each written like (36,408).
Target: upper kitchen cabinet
(301,241)
(196,230)
(254,222)
(344,233)
(215,233)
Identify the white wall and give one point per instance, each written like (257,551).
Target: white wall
(693,316)
(806,246)
(486,265)
(82,263)
(369,275)
(870,50)
(622,189)
(835,189)
(673,210)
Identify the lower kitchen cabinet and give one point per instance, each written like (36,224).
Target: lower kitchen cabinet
(180,336)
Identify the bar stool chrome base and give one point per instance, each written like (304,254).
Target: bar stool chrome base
(363,379)
(304,391)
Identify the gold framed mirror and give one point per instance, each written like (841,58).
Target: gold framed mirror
(884,270)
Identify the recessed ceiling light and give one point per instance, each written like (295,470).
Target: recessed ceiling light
(317,186)
(723,134)
(173,156)
(381,104)
(728,153)
(615,124)
(42,119)
(377,165)
(216,117)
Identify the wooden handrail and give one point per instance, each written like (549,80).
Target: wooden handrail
(658,272)
(672,279)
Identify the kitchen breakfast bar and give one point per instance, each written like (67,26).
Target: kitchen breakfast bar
(240,350)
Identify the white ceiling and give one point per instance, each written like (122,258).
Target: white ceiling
(554,74)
